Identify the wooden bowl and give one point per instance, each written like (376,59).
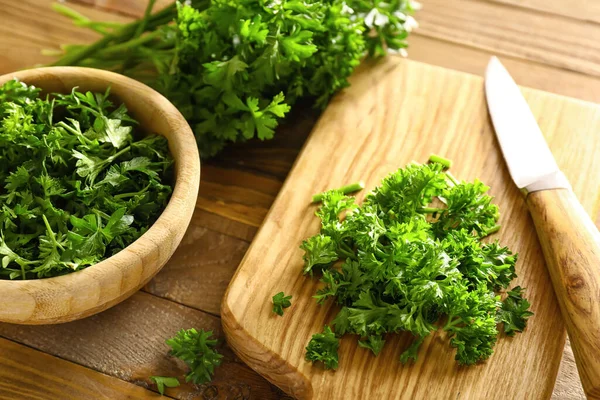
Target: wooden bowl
(98,287)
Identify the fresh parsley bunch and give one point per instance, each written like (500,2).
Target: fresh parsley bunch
(234,67)
(76,184)
(411,259)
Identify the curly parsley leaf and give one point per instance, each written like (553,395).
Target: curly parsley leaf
(281,301)
(319,250)
(323,347)
(373,343)
(514,311)
(197,350)
(410,354)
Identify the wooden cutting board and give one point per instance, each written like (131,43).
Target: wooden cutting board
(397,111)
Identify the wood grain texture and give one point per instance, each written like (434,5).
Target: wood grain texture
(31,374)
(94,289)
(536,75)
(238,195)
(397,111)
(128,342)
(29,26)
(571,245)
(585,10)
(200,270)
(514,31)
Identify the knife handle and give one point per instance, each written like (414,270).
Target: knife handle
(571,245)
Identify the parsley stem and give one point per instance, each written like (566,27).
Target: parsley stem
(118,154)
(452,178)
(431,210)
(117,48)
(142,26)
(125,33)
(440,160)
(123,195)
(50,233)
(493,229)
(451,322)
(347,253)
(78,19)
(354,187)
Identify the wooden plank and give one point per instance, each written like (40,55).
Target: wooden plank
(513,31)
(128,342)
(383,111)
(200,270)
(223,225)
(28,26)
(237,195)
(568,385)
(527,73)
(31,374)
(585,10)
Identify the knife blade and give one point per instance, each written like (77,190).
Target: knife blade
(529,159)
(569,239)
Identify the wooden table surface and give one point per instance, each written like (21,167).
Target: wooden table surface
(546,44)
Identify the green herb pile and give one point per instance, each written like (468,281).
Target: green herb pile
(410,258)
(75,186)
(197,350)
(234,67)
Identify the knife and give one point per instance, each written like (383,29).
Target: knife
(569,239)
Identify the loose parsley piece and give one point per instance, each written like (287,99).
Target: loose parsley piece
(281,301)
(323,347)
(164,381)
(197,350)
(78,183)
(514,311)
(397,263)
(234,68)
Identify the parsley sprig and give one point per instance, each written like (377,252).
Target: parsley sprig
(234,68)
(197,350)
(323,347)
(411,259)
(77,184)
(164,381)
(281,301)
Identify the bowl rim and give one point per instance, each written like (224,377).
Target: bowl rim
(185,188)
